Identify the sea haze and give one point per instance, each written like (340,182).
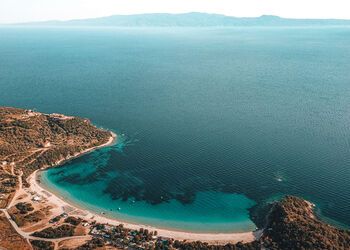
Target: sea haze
(191,19)
(211,121)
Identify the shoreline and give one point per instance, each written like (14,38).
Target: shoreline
(110,142)
(61,204)
(106,215)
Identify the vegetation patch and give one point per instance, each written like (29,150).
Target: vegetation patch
(24,207)
(54,233)
(42,245)
(293,225)
(73,220)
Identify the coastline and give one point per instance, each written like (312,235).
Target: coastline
(110,142)
(63,205)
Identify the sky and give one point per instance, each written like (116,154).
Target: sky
(17,11)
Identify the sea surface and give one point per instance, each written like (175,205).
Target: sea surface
(210,122)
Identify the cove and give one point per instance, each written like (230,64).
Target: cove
(207,212)
(207,114)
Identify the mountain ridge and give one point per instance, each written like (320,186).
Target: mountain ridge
(190,19)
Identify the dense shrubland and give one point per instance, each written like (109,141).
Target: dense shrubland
(42,245)
(25,136)
(64,230)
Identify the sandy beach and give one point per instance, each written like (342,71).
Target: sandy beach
(61,205)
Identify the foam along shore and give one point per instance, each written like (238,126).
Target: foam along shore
(112,140)
(61,205)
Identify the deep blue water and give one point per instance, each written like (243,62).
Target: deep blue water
(211,121)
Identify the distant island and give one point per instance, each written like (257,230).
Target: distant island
(193,19)
(32,217)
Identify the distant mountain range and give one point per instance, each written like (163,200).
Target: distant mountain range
(193,19)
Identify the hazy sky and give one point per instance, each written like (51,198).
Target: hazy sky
(37,10)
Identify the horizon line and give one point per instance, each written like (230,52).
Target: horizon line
(174,14)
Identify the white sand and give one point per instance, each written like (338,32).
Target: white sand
(60,206)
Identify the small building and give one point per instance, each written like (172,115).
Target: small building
(36,198)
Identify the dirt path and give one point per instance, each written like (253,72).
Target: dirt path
(18,192)
(12,169)
(32,153)
(26,235)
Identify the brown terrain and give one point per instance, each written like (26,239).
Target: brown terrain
(9,238)
(30,141)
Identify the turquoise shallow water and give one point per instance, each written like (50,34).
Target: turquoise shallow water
(213,212)
(211,121)
(210,211)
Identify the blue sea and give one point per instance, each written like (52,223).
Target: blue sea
(211,123)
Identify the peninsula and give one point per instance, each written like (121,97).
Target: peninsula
(34,218)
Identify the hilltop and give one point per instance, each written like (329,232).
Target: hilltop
(291,224)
